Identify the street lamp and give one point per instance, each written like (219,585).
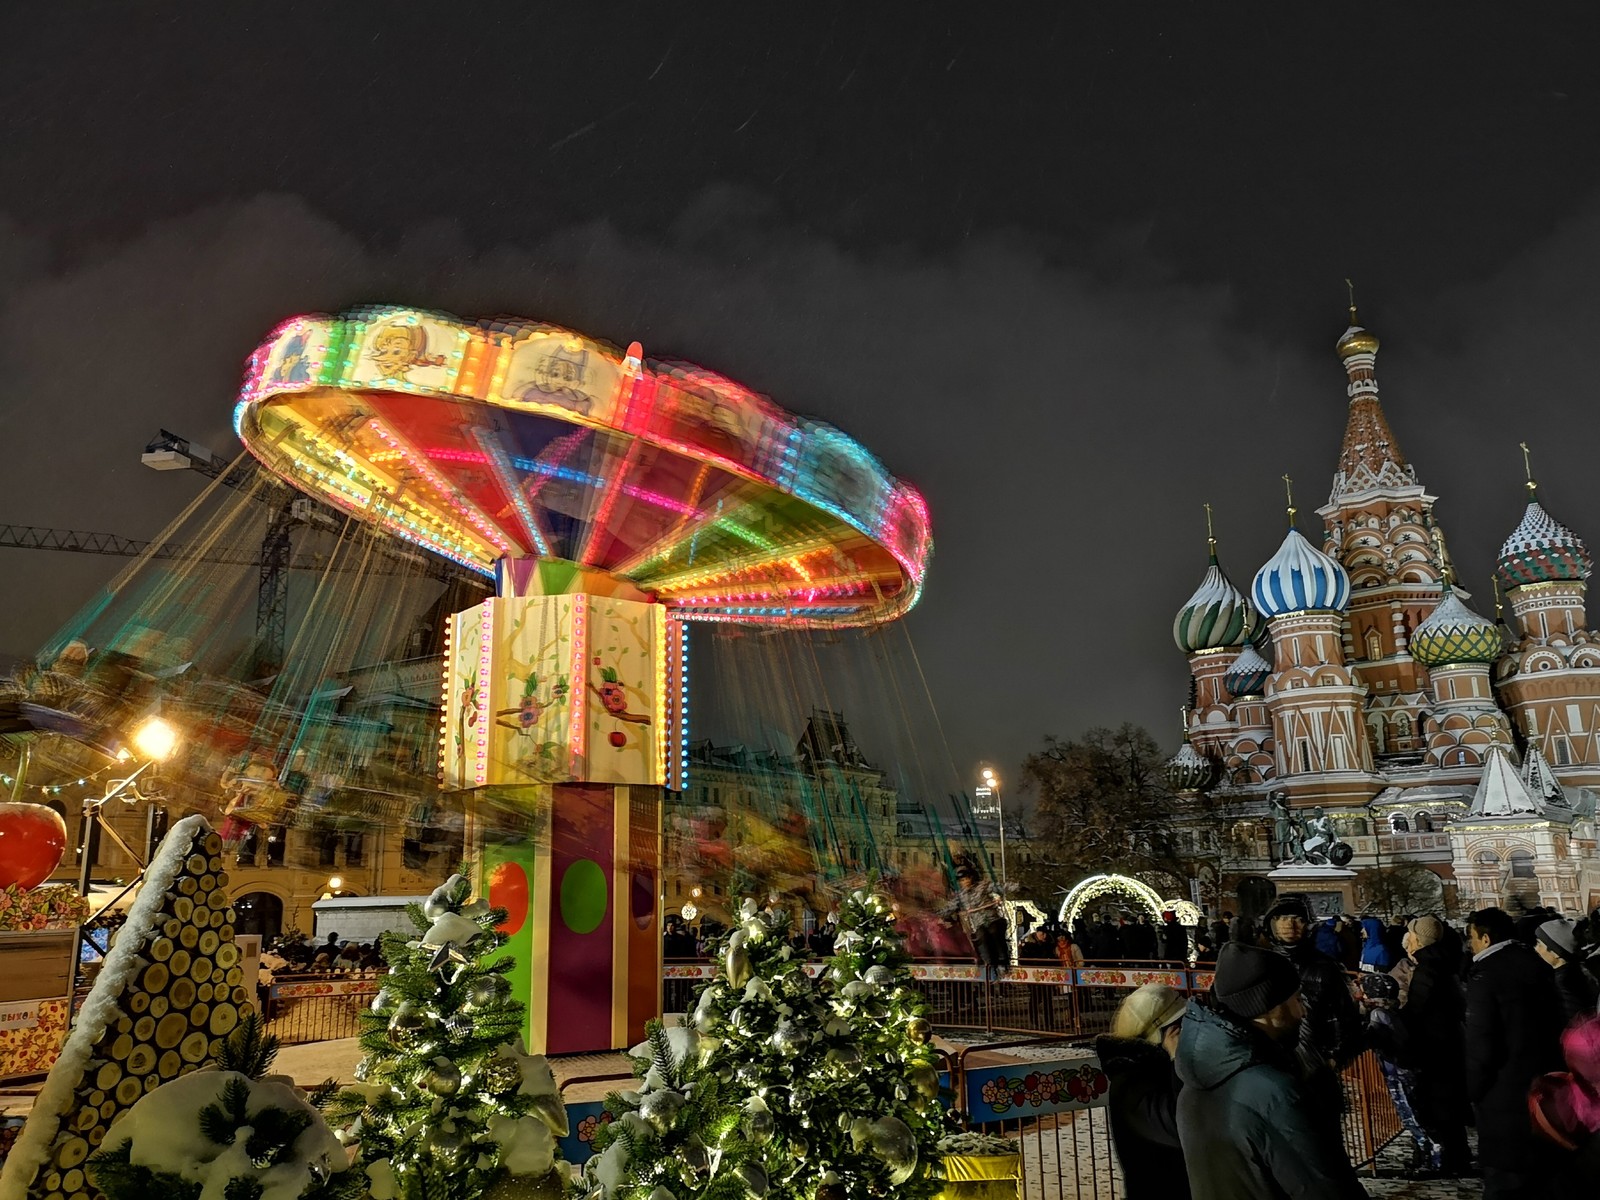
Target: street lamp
(992,782)
(155,741)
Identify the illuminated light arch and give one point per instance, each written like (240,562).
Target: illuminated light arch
(1087,891)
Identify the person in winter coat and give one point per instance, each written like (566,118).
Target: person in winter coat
(1433,1015)
(1326,938)
(1557,944)
(1143,1096)
(1375,954)
(1174,940)
(1513,1036)
(1248,1129)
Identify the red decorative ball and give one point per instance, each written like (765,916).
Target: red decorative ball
(618,738)
(508,889)
(32,840)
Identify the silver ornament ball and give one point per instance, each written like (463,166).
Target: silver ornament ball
(487,992)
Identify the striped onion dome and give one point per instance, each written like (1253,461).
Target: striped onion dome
(1453,633)
(1217,615)
(1299,578)
(1542,550)
(1248,674)
(1190,771)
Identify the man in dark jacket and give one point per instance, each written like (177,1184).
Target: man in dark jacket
(1331,1035)
(1557,944)
(1513,1036)
(1433,1015)
(1249,1131)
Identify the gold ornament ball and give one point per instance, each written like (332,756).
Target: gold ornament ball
(548,1186)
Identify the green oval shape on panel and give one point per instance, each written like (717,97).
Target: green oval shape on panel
(583,896)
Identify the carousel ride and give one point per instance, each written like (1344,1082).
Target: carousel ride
(610,499)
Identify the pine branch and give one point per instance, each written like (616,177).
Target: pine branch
(249,1049)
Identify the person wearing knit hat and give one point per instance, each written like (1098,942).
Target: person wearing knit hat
(1432,1016)
(1143,1097)
(1556,942)
(1248,1129)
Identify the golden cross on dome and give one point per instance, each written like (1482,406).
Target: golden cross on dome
(1494,580)
(1211,537)
(1352,289)
(1288,491)
(1527,469)
(1446,571)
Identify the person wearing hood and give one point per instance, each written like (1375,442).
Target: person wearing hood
(1556,942)
(1433,1014)
(1326,938)
(1143,1096)
(1249,1130)
(1375,954)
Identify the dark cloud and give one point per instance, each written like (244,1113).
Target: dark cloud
(1065,430)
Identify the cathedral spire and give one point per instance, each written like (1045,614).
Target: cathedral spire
(1370,458)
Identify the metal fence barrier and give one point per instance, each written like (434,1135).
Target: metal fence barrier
(317,1008)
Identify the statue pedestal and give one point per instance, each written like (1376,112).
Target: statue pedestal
(1327,889)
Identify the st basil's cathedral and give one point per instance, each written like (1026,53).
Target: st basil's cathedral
(1355,676)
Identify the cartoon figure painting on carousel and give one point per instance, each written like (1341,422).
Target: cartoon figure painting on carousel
(406,350)
(552,368)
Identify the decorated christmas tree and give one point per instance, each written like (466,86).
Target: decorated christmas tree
(235,1133)
(170,991)
(783,1087)
(448,1104)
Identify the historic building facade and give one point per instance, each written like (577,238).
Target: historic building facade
(1354,675)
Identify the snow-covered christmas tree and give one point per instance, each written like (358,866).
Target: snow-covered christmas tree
(781,1087)
(448,1105)
(232,1134)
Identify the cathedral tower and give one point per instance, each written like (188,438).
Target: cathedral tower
(1378,520)
(1314,702)
(1210,628)
(1549,679)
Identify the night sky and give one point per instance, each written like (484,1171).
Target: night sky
(1072,270)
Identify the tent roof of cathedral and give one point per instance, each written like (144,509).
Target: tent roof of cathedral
(1501,793)
(1541,780)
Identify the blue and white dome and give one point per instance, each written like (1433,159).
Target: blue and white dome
(1299,578)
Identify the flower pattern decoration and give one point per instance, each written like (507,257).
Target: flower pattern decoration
(1081,1084)
(41,908)
(591,1124)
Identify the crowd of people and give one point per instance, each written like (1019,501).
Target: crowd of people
(1237,1093)
(296,953)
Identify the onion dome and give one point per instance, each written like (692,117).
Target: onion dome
(1217,615)
(1190,771)
(1248,674)
(1453,633)
(1299,578)
(1542,550)
(1357,340)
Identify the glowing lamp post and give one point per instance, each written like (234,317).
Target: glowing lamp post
(992,782)
(155,741)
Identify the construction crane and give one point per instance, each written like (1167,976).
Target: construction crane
(169,452)
(290,508)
